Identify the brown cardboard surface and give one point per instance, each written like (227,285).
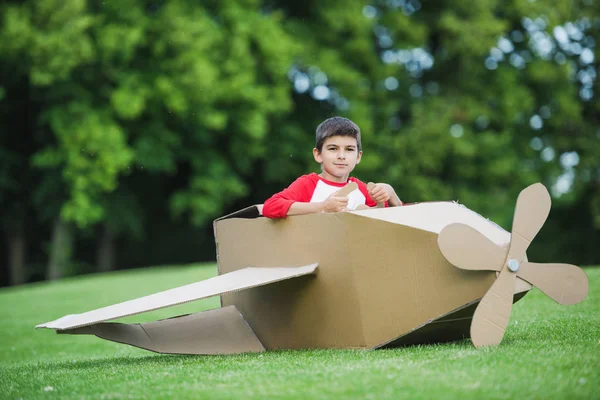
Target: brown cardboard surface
(358,300)
(346,190)
(239,280)
(304,314)
(219,331)
(483,253)
(434,216)
(564,283)
(493,313)
(370,187)
(531,211)
(409,282)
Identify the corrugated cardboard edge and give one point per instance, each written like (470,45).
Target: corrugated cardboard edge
(218,331)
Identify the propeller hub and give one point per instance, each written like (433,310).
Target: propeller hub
(513,265)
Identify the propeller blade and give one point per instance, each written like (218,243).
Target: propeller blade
(493,312)
(531,211)
(467,248)
(564,283)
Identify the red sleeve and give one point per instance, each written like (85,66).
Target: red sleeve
(278,205)
(363,188)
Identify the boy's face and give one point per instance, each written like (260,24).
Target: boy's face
(338,157)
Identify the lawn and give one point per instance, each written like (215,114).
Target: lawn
(549,352)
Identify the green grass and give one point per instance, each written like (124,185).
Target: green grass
(549,352)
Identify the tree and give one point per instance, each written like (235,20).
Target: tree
(160,86)
(120,118)
(49,40)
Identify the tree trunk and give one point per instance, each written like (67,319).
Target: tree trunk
(61,251)
(105,260)
(16,255)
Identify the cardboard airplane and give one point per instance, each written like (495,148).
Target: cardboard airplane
(366,279)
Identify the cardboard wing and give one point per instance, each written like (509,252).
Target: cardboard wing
(220,331)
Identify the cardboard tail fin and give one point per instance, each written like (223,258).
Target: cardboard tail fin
(218,331)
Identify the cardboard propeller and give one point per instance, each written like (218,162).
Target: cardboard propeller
(466,248)
(370,187)
(346,190)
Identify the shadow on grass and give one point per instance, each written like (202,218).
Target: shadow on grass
(155,360)
(168,360)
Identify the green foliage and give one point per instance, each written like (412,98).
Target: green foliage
(91,152)
(213,182)
(196,108)
(60,40)
(149,85)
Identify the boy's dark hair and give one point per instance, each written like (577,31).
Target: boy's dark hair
(337,126)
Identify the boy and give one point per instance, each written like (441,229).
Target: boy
(338,150)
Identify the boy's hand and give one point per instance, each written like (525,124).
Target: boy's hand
(335,203)
(383,192)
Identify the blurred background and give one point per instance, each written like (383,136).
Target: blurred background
(128,126)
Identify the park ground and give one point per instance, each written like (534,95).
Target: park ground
(549,352)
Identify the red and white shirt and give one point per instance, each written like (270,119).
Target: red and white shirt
(312,188)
